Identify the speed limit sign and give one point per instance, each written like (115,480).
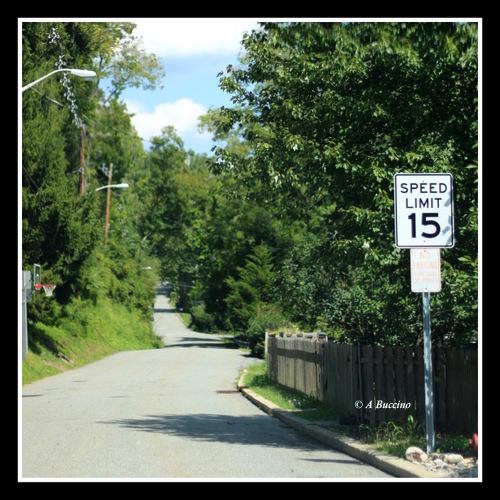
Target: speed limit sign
(423,210)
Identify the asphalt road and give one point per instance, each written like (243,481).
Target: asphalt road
(169,414)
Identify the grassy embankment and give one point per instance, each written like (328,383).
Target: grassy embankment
(91,333)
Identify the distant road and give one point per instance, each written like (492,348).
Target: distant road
(171,413)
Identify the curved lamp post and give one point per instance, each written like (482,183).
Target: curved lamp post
(82,73)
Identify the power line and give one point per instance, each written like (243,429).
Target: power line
(180,284)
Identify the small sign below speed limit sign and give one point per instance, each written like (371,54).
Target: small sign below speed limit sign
(423,210)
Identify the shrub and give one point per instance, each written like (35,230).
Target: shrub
(173,298)
(268,317)
(202,321)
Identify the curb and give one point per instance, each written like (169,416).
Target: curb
(391,464)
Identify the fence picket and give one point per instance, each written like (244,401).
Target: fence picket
(378,375)
(340,374)
(418,363)
(439,380)
(399,378)
(409,382)
(388,374)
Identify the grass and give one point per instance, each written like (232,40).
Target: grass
(388,437)
(88,333)
(185,317)
(395,439)
(309,408)
(93,331)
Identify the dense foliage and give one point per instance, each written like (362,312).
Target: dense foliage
(73,138)
(331,112)
(291,222)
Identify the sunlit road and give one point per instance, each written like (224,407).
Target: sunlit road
(170,413)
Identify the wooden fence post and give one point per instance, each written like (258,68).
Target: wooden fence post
(342,374)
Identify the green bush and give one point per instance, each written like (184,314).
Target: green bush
(268,317)
(173,298)
(78,318)
(202,321)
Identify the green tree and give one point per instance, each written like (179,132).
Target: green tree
(252,289)
(67,134)
(59,229)
(179,184)
(331,111)
(235,225)
(130,66)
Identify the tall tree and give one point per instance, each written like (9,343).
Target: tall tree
(123,60)
(65,133)
(179,185)
(331,112)
(58,227)
(252,288)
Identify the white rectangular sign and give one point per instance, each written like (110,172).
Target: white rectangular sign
(425,265)
(423,210)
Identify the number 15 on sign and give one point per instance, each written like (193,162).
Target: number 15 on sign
(423,210)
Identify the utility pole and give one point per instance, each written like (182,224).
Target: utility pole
(82,159)
(107,206)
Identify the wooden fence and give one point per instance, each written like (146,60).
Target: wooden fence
(388,381)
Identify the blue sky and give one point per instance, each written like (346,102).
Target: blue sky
(193,51)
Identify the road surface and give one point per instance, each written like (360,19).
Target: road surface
(171,413)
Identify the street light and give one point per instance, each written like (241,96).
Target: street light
(123,185)
(82,73)
(118,186)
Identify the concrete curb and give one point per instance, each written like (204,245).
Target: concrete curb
(391,464)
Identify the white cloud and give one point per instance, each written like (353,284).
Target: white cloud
(200,46)
(181,37)
(182,115)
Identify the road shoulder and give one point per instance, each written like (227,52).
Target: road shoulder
(391,464)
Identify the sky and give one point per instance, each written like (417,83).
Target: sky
(192,51)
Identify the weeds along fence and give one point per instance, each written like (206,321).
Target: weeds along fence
(388,381)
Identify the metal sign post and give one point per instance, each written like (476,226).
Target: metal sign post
(424,223)
(429,393)
(425,266)
(26,298)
